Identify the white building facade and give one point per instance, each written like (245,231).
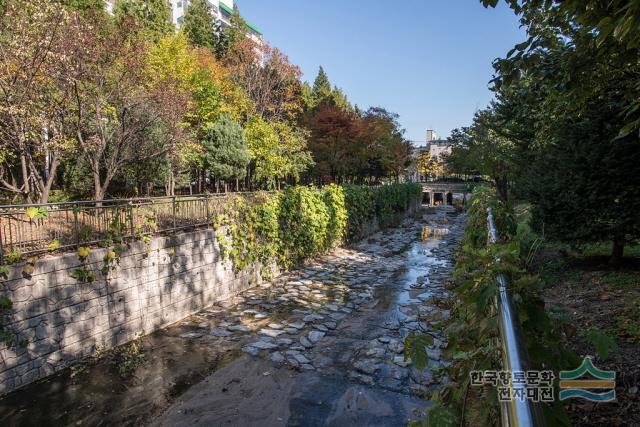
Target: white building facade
(220,11)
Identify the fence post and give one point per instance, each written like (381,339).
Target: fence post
(75,224)
(1,242)
(173,205)
(131,221)
(206,203)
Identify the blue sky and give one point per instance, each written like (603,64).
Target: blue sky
(427,60)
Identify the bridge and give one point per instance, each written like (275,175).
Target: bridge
(444,193)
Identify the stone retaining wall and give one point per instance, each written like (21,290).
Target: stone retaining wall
(61,320)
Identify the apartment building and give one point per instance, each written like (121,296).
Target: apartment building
(220,10)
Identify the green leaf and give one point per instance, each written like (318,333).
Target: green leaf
(54,245)
(415,348)
(442,416)
(5,303)
(602,342)
(36,212)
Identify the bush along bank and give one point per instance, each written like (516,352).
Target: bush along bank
(472,330)
(300,222)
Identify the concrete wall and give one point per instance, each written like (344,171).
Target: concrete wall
(63,320)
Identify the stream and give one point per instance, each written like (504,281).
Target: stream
(321,345)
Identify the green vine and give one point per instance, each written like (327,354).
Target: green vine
(6,305)
(300,222)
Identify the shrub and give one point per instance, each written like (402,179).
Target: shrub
(304,220)
(334,199)
(253,229)
(393,199)
(301,222)
(360,206)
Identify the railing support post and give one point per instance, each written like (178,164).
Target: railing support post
(75,224)
(206,203)
(173,206)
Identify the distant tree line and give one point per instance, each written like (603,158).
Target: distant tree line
(96,105)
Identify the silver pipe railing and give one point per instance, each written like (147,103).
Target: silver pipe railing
(515,412)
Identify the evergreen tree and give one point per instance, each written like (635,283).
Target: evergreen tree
(153,15)
(321,86)
(198,24)
(228,37)
(323,94)
(226,154)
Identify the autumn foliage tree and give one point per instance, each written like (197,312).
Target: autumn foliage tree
(117,111)
(33,132)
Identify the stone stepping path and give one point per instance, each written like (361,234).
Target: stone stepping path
(347,313)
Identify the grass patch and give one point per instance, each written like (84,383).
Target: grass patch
(623,279)
(628,325)
(603,249)
(558,270)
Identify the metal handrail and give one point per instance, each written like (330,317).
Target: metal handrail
(515,412)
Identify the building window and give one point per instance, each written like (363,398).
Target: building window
(180,20)
(179,4)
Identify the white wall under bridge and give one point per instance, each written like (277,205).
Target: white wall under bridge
(436,194)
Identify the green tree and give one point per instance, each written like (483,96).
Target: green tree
(323,94)
(153,15)
(226,155)
(585,183)
(85,5)
(263,144)
(278,151)
(228,37)
(484,148)
(198,24)
(321,86)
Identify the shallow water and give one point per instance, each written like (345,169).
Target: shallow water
(94,393)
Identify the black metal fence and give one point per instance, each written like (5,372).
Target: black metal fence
(33,229)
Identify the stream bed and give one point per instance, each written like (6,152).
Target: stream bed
(321,345)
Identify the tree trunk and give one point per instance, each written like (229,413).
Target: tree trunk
(26,188)
(617,250)
(97,187)
(51,173)
(501,188)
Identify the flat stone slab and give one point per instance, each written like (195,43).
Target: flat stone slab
(239,328)
(263,345)
(315,336)
(192,335)
(270,332)
(219,332)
